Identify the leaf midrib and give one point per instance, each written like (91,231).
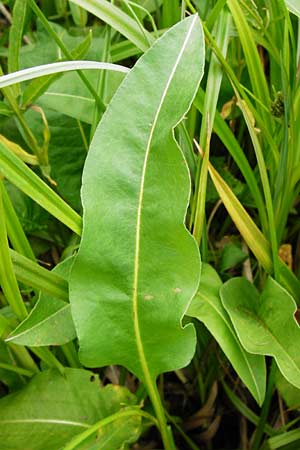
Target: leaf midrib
(140,347)
(267,329)
(40,420)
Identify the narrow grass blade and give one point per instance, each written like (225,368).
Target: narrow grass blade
(15,231)
(118,20)
(244,410)
(293,6)
(252,235)
(36,88)
(33,275)
(170,13)
(58,67)
(214,79)
(284,439)
(27,181)
(227,137)
(254,66)
(265,183)
(15,38)
(8,280)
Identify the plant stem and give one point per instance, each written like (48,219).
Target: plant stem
(18,370)
(265,409)
(166,433)
(66,52)
(103,422)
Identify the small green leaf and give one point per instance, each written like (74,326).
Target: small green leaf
(52,408)
(50,322)
(265,323)
(232,255)
(207,307)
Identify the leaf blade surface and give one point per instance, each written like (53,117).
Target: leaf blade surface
(207,307)
(137,266)
(265,324)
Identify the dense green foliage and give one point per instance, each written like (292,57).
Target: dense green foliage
(149,232)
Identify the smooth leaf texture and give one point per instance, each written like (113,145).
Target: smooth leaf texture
(137,267)
(293,6)
(265,323)
(70,96)
(112,432)
(52,408)
(50,322)
(289,393)
(57,67)
(207,307)
(116,18)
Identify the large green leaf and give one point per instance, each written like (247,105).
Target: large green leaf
(265,323)
(52,408)
(50,322)
(207,307)
(137,266)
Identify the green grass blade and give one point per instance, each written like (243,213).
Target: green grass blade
(265,183)
(285,439)
(213,85)
(252,235)
(7,276)
(254,65)
(244,410)
(28,182)
(37,87)
(64,49)
(33,275)
(15,38)
(293,6)
(118,20)
(227,137)
(57,67)
(170,13)
(15,231)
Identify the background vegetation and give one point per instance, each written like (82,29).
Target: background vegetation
(228,86)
